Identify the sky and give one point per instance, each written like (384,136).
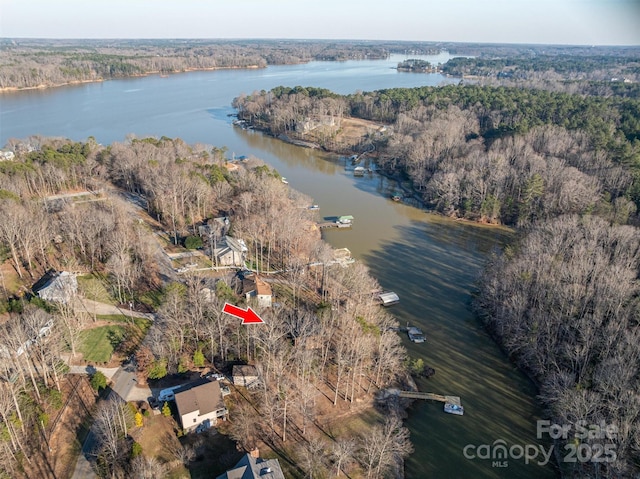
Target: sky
(572,22)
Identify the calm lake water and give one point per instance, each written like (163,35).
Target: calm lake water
(431,262)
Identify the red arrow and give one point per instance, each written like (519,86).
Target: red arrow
(248,317)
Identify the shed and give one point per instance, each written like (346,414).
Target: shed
(244,375)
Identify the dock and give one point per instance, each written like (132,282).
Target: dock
(448,401)
(344,221)
(333,224)
(428,396)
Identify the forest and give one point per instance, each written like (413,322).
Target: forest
(564,169)
(491,154)
(327,346)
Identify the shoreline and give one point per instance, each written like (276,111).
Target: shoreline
(15,89)
(411,193)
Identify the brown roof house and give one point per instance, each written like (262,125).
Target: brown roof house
(250,467)
(200,403)
(255,289)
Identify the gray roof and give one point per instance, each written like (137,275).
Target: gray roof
(60,287)
(254,468)
(204,398)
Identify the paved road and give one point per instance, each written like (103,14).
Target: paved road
(123,384)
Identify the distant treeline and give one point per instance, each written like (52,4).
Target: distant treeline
(504,155)
(601,74)
(29,63)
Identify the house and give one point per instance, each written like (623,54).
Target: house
(250,467)
(60,287)
(7,155)
(255,288)
(198,403)
(230,252)
(244,375)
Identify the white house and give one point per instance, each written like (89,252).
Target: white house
(7,155)
(200,403)
(255,288)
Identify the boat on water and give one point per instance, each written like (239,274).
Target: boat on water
(359,171)
(416,335)
(454,409)
(314,207)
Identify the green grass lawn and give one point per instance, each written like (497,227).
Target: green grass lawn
(93,288)
(98,344)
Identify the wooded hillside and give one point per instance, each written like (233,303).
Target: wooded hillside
(101,212)
(501,155)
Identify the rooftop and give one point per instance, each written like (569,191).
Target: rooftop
(254,468)
(203,397)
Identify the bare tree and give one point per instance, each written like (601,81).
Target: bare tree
(143,467)
(110,428)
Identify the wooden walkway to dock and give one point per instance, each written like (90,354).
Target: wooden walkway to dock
(427,396)
(333,224)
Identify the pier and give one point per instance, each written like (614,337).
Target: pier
(333,224)
(430,397)
(426,396)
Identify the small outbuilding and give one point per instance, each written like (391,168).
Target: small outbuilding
(388,298)
(245,375)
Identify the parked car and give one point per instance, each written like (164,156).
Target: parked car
(153,402)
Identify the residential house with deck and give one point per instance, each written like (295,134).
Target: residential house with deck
(229,251)
(200,403)
(258,290)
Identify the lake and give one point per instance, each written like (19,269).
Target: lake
(431,262)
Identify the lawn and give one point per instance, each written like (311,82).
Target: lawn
(92,287)
(98,344)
